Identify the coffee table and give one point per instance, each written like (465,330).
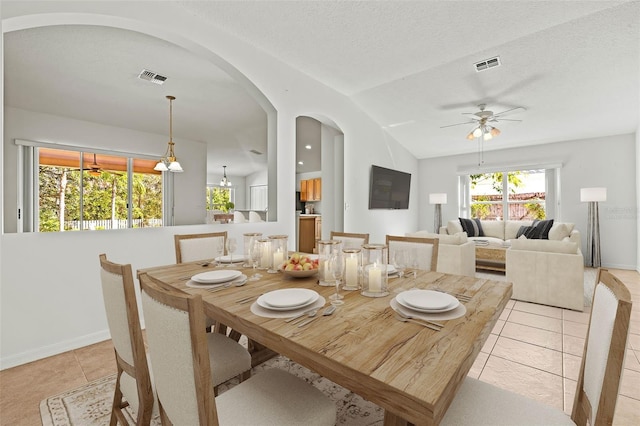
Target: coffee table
(491,258)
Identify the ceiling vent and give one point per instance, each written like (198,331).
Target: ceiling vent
(255,151)
(487,63)
(152,77)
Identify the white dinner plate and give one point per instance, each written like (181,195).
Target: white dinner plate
(427,301)
(287,299)
(218,276)
(237,258)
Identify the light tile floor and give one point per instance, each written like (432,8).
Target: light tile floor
(533,350)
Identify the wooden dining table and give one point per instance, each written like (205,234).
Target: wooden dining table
(411,371)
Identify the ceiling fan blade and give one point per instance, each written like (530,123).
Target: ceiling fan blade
(473,115)
(507,111)
(505,119)
(459,124)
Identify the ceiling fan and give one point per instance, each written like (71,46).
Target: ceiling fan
(482,118)
(94,168)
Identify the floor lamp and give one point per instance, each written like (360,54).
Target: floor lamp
(593,196)
(438,200)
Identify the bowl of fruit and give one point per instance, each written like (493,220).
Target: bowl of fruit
(300,265)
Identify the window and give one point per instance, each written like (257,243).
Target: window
(515,195)
(76,190)
(220,198)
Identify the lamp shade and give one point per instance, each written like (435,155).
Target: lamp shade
(593,194)
(437,198)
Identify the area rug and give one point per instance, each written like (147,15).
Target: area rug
(589,281)
(90,405)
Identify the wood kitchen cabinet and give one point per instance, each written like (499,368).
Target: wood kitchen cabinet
(311,189)
(309,231)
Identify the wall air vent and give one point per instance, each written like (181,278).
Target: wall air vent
(487,63)
(152,77)
(255,151)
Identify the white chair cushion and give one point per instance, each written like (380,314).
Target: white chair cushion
(238,217)
(228,357)
(422,252)
(275,397)
(254,217)
(479,403)
(193,249)
(116,309)
(349,242)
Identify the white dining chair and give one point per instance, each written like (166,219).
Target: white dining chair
(350,240)
(479,403)
(424,251)
(177,345)
(254,217)
(238,217)
(194,247)
(133,383)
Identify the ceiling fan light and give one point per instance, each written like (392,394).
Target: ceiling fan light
(495,131)
(470,136)
(477,132)
(487,136)
(161,167)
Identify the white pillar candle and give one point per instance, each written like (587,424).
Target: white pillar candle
(375,279)
(327,271)
(351,273)
(278,258)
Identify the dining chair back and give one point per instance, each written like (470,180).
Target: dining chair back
(350,240)
(424,251)
(254,217)
(183,377)
(133,381)
(193,247)
(238,217)
(479,403)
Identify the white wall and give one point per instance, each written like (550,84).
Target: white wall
(599,162)
(49,291)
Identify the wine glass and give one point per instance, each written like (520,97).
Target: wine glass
(219,250)
(336,266)
(254,258)
(400,261)
(232,245)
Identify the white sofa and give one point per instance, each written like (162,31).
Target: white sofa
(549,272)
(456,254)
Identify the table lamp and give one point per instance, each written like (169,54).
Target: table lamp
(593,196)
(438,200)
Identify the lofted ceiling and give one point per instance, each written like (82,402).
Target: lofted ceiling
(573,66)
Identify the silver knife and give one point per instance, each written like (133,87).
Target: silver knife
(299,315)
(302,324)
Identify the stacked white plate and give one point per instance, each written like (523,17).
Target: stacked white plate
(287,299)
(216,277)
(427,301)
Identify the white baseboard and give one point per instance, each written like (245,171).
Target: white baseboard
(619,266)
(55,349)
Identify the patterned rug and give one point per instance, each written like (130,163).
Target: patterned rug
(90,405)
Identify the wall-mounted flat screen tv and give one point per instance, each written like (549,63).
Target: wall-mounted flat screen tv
(389,189)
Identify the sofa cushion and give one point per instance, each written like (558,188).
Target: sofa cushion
(545,246)
(456,239)
(559,231)
(493,228)
(539,230)
(523,230)
(453,227)
(472,227)
(511,228)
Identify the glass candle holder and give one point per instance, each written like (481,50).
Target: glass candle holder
(374,270)
(351,269)
(279,251)
(249,238)
(264,246)
(326,249)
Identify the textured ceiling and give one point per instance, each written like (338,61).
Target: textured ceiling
(572,64)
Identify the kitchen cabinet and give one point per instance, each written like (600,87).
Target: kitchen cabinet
(311,189)
(309,231)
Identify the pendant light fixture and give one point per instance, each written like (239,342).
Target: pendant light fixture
(224,181)
(169,162)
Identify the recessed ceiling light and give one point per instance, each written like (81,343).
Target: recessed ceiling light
(308,146)
(300,162)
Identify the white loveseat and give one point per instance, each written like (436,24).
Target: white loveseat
(549,272)
(456,254)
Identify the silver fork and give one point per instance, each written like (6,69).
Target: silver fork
(424,324)
(312,316)
(433,323)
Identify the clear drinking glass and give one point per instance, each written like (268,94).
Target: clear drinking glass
(254,257)
(336,266)
(400,261)
(232,245)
